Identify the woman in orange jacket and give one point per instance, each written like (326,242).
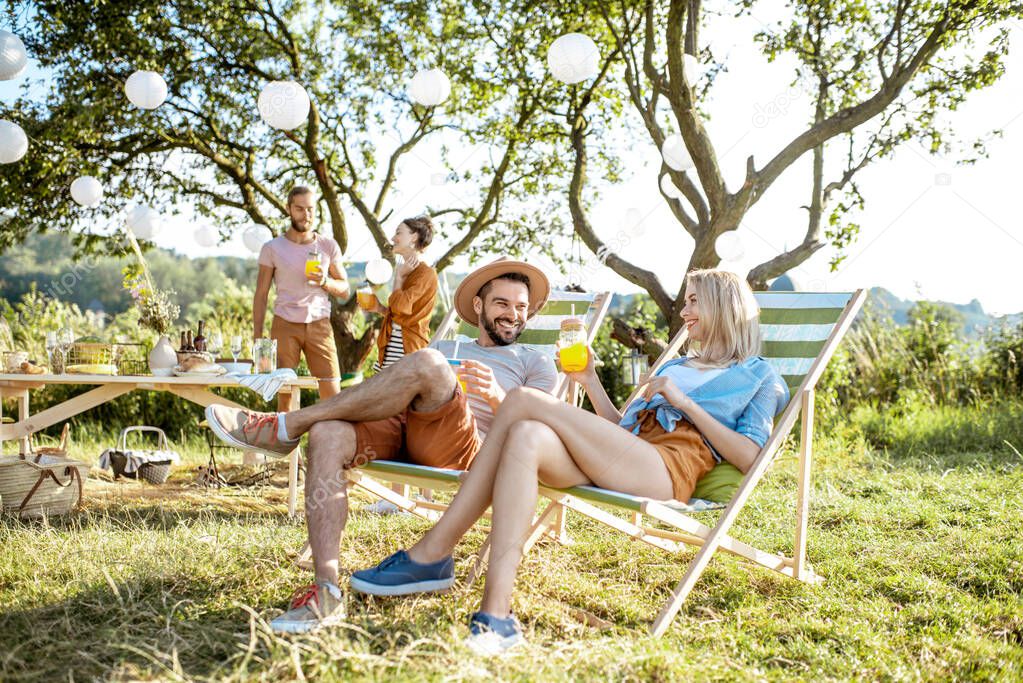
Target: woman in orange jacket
(406,325)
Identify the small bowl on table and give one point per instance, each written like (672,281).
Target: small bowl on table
(242,367)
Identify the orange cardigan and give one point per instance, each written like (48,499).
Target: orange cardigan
(411,307)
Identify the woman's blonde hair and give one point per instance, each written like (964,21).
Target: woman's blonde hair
(729,317)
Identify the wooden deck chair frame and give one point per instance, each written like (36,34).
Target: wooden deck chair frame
(370,477)
(689,530)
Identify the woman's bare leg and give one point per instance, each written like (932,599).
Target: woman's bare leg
(532,451)
(605,453)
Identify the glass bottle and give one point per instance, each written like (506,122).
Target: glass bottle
(200,337)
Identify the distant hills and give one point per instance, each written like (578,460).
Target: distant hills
(45,261)
(975,319)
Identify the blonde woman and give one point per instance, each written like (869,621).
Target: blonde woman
(717,403)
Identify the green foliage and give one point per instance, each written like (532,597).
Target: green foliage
(924,363)
(1003,359)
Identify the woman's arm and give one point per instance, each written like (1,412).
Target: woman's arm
(588,380)
(736,448)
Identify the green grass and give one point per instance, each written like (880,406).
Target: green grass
(920,550)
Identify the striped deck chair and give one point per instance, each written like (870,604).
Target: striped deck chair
(541,333)
(801,332)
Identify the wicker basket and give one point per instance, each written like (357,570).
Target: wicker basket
(41,485)
(185,355)
(155,472)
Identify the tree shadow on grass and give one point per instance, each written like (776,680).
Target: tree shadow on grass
(102,632)
(177,626)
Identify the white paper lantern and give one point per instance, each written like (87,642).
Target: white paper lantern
(693,67)
(634,221)
(255,237)
(379,271)
(729,246)
(146,89)
(206,236)
(144,222)
(283,104)
(675,154)
(669,189)
(13,57)
(573,58)
(429,87)
(13,142)
(86,190)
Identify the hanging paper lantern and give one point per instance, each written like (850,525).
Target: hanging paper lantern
(379,271)
(13,142)
(675,154)
(86,191)
(144,222)
(146,89)
(255,237)
(283,104)
(693,68)
(573,58)
(206,236)
(429,87)
(634,221)
(729,246)
(669,189)
(13,57)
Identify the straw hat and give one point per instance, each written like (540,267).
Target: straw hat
(539,286)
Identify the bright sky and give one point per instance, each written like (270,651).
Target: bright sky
(930,229)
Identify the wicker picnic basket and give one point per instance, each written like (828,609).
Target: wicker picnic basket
(38,485)
(155,471)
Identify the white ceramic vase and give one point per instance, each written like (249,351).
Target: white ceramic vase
(162,357)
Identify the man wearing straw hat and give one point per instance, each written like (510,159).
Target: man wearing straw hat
(415,410)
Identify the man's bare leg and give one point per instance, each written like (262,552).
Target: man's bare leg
(331,448)
(422,380)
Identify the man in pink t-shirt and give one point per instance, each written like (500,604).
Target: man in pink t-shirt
(301,321)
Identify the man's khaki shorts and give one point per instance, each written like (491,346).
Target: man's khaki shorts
(445,437)
(316,339)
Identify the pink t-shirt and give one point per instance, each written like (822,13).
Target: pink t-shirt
(297,300)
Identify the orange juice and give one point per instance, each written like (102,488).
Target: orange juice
(455,364)
(573,357)
(312,266)
(367,299)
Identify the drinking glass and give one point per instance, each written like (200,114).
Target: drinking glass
(215,343)
(367,299)
(236,346)
(51,346)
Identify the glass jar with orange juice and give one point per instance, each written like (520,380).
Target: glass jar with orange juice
(312,268)
(572,351)
(367,298)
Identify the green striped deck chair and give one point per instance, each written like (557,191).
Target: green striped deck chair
(801,331)
(541,333)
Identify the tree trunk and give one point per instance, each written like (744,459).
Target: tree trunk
(352,351)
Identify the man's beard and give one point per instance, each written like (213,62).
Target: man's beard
(300,227)
(498,336)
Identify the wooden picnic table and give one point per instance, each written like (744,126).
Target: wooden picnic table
(109,387)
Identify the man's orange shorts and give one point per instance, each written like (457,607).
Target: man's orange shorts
(445,437)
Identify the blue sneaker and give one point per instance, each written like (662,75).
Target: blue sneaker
(399,575)
(491,636)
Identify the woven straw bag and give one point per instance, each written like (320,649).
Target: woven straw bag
(41,485)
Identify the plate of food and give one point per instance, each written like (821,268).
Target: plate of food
(198,366)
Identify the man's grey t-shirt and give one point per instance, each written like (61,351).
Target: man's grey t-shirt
(514,366)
